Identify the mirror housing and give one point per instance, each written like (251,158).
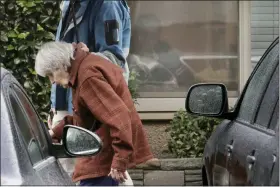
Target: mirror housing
(76,142)
(207,100)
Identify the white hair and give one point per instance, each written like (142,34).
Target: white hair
(53,56)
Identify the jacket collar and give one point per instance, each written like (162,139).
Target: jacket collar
(79,56)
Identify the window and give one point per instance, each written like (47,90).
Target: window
(32,118)
(269,101)
(25,131)
(173,46)
(258,84)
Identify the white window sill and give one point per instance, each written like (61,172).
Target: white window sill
(149,109)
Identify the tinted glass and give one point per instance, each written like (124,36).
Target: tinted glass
(32,118)
(25,130)
(257,85)
(21,120)
(269,101)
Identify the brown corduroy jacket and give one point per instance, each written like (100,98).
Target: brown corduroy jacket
(100,92)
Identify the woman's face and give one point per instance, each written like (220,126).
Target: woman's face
(60,77)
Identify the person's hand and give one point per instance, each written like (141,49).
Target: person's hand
(51,133)
(49,122)
(118,175)
(82,46)
(50,118)
(54,140)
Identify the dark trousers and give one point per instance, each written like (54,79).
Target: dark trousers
(99,181)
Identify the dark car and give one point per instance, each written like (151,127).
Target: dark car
(28,156)
(244,148)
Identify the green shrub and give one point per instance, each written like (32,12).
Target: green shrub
(133,85)
(188,134)
(25,26)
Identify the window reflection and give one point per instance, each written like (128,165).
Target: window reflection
(176,44)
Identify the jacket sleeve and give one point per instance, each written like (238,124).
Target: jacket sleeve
(100,98)
(111,10)
(58,130)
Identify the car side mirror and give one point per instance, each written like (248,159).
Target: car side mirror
(207,100)
(78,141)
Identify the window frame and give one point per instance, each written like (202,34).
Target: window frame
(240,100)
(263,90)
(11,93)
(152,108)
(263,98)
(42,133)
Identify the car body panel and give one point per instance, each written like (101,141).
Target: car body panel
(210,156)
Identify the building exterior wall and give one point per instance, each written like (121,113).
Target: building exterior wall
(264,26)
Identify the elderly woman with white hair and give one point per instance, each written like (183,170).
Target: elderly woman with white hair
(100,93)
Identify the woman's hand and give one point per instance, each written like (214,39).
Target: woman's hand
(54,140)
(118,175)
(50,117)
(82,46)
(51,133)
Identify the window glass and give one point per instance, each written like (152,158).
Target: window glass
(32,118)
(173,46)
(269,101)
(25,131)
(257,85)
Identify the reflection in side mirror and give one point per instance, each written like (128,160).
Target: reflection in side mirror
(78,141)
(207,99)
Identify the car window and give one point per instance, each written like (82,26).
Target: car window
(257,86)
(269,101)
(32,119)
(274,123)
(25,130)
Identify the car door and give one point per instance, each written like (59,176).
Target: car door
(267,118)
(265,166)
(274,179)
(236,139)
(250,133)
(37,143)
(223,150)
